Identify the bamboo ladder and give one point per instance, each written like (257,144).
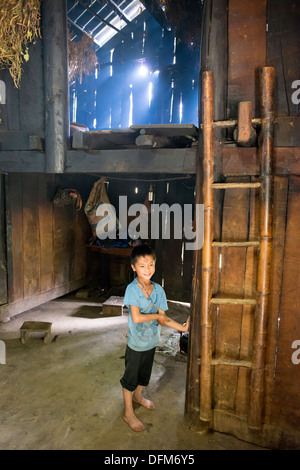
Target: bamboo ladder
(264,243)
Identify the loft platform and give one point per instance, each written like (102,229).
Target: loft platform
(147,136)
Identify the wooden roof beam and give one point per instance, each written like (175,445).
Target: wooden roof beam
(166,161)
(119,11)
(155,10)
(79,28)
(98,16)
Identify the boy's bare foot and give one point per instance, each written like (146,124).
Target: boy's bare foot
(134,423)
(143,401)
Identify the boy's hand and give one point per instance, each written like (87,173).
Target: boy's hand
(187,325)
(163,319)
(161,312)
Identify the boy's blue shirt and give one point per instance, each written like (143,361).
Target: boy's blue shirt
(144,336)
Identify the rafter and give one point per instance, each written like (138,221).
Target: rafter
(155,10)
(98,16)
(79,28)
(119,11)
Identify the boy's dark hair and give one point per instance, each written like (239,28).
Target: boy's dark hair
(141,250)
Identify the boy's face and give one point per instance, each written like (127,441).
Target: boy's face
(144,267)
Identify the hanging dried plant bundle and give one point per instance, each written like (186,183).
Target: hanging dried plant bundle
(186,15)
(82,58)
(19,25)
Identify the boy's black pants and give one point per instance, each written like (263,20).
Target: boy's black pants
(138,367)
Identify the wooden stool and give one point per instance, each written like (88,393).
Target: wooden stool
(113,306)
(35,327)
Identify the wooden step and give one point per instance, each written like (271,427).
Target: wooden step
(236,185)
(228,300)
(234,244)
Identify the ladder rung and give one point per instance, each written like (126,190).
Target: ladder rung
(242,243)
(235,185)
(232,123)
(228,362)
(227,300)
(231,362)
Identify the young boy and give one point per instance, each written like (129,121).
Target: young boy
(147,303)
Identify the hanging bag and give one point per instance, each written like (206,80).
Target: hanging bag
(97,197)
(68,197)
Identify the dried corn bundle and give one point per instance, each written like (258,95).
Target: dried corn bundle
(82,58)
(19,25)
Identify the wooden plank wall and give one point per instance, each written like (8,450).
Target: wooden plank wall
(45,243)
(236,213)
(246,53)
(259,33)
(3,264)
(234,276)
(24,109)
(283,51)
(233,326)
(284,410)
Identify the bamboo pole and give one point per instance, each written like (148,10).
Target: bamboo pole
(230,362)
(207,267)
(267,80)
(236,185)
(241,243)
(232,123)
(232,301)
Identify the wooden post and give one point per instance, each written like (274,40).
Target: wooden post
(267,80)
(192,399)
(207,268)
(55,44)
(245,134)
(213,57)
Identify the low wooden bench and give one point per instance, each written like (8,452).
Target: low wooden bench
(35,327)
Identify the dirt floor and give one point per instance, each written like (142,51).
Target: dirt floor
(66,395)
